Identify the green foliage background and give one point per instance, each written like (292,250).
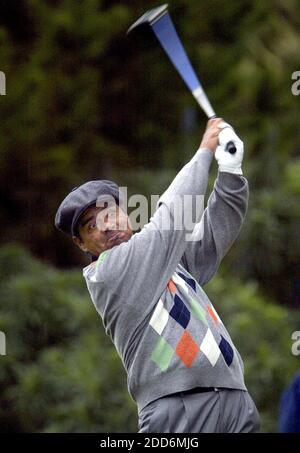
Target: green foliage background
(84,101)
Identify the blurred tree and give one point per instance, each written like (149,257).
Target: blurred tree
(61,372)
(261,331)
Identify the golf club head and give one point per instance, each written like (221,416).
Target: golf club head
(150,16)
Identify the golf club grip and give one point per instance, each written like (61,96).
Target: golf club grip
(230,146)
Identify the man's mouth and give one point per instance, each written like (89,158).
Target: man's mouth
(113,237)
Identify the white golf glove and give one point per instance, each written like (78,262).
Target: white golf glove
(231,163)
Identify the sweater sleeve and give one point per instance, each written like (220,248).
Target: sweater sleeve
(138,270)
(219,226)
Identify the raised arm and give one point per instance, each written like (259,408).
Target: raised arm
(219,227)
(223,217)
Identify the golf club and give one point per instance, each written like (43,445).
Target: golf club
(163,27)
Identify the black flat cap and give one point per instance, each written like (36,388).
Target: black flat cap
(79,199)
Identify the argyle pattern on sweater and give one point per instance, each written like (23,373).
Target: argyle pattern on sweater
(183,310)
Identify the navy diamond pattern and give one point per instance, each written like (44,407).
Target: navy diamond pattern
(180,312)
(189,281)
(226,350)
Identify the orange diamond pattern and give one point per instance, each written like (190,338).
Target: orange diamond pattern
(187,349)
(212,315)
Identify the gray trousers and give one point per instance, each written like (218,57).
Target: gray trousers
(216,411)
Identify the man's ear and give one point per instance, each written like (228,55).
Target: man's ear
(79,243)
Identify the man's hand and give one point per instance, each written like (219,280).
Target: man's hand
(210,138)
(230,163)
(216,136)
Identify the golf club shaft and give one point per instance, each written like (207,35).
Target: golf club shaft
(165,31)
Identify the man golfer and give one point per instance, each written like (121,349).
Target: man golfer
(183,370)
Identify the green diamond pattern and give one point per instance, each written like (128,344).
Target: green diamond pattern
(198,311)
(162,354)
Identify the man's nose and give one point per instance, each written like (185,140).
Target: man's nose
(107,221)
(108,225)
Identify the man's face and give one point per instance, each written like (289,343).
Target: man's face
(102,228)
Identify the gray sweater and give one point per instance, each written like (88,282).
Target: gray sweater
(148,290)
